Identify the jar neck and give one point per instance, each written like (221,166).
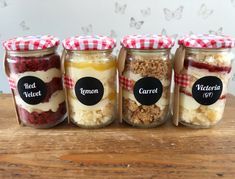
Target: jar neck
(149,51)
(89,52)
(32,53)
(209,50)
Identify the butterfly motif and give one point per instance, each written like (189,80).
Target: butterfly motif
(87,30)
(190,32)
(113,34)
(233,3)
(217,32)
(120,9)
(23,26)
(204,12)
(135,24)
(145,12)
(3,3)
(164,32)
(116,51)
(176,15)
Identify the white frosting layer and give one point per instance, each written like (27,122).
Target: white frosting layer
(190,103)
(53,104)
(136,77)
(162,102)
(199,73)
(45,76)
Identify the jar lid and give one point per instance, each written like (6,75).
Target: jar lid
(147,41)
(207,41)
(94,42)
(28,43)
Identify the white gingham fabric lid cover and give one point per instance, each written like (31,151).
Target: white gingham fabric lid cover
(94,42)
(147,41)
(27,43)
(207,41)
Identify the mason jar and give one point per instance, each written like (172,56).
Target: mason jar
(32,66)
(146,79)
(207,67)
(90,80)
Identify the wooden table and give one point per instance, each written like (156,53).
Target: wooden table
(117,151)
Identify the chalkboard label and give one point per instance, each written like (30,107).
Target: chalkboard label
(89,90)
(207,90)
(31,89)
(148,90)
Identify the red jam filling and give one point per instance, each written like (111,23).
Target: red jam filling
(210,68)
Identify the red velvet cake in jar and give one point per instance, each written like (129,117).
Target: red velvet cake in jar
(33,68)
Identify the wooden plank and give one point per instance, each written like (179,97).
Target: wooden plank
(117,151)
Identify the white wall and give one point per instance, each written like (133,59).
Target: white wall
(65,18)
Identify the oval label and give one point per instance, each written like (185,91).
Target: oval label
(89,90)
(31,89)
(148,90)
(207,90)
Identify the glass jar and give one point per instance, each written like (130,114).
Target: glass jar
(146,82)
(35,79)
(208,70)
(90,80)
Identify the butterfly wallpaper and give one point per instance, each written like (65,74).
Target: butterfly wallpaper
(114,18)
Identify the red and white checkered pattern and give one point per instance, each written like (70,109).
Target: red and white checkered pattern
(12,83)
(182,79)
(207,41)
(68,82)
(147,42)
(126,83)
(94,42)
(27,43)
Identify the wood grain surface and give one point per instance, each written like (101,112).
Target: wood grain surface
(117,151)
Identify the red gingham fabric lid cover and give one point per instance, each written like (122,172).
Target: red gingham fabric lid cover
(93,42)
(147,41)
(27,43)
(207,41)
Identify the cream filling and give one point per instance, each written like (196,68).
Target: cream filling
(162,102)
(136,77)
(53,104)
(45,76)
(190,103)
